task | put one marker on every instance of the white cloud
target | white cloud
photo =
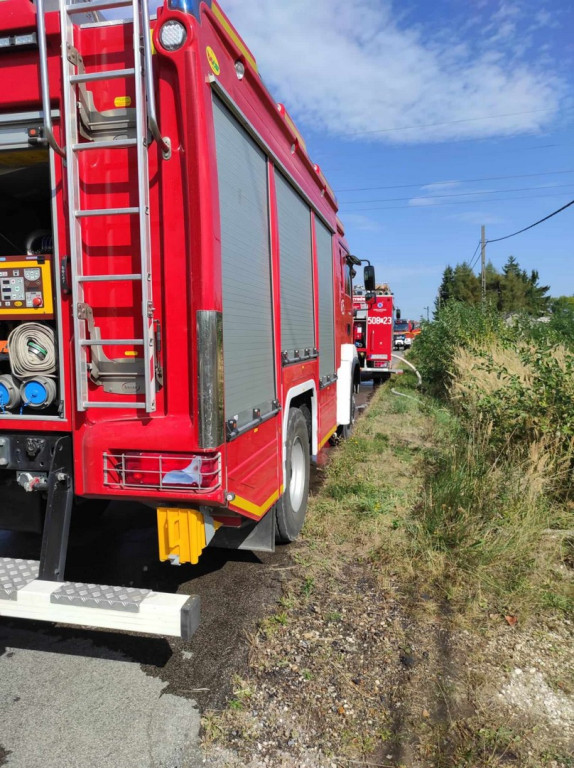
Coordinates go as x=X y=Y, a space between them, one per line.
x=477 y=218
x=362 y=223
x=440 y=186
x=422 y=201
x=357 y=67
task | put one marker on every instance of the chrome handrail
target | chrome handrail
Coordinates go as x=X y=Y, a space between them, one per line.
x=45 y=83
x=163 y=141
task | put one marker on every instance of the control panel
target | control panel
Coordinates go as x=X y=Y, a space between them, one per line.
x=26 y=288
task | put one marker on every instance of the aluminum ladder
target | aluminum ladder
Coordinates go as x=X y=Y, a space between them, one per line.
x=75 y=77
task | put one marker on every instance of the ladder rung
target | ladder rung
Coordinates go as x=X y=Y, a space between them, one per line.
x=103 y=404
x=108 y=278
x=112 y=342
x=119 y=144
x=107 y=211
x=105 y=74
x=97 y=5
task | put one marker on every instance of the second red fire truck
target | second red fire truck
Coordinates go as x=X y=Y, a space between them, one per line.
x=176 y=317
x=373 y=332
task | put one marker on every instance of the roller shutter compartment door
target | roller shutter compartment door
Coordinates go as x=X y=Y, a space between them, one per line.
x=296 y=260
x=326 y=317
x=248 y=352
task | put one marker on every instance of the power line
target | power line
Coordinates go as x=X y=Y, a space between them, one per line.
x=458 y=181
x=446 y=122
x=453 y=194
x=536 y=223
x=472 y=259
x=440 y=205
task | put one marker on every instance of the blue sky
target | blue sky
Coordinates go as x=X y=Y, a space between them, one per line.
x=430 y=118
x=490 y=81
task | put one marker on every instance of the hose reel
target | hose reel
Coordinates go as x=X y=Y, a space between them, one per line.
x=9 y=392
x=32 y=350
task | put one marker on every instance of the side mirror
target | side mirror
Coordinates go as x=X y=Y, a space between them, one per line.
x=369 y=278
x=397 y=314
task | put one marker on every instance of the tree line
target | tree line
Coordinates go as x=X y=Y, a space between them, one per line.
x=511 y=290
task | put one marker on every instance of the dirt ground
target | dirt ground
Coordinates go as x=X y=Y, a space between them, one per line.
x=352 y=669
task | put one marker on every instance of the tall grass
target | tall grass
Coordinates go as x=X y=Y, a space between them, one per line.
x=480 y=528
x=458 y=325
x=505 y=474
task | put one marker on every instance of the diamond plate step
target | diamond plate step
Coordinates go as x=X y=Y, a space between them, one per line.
x=15 y=574
x=24 y=596
x=100 y=596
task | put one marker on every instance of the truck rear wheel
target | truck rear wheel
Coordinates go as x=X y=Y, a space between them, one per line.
x=345 y=431
x=291 y=508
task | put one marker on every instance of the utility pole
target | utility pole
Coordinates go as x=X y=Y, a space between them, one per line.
x=428 y=317
x=483 y=264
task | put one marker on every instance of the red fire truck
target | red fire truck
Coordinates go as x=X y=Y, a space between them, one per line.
x=373 y=332
x=176 y=310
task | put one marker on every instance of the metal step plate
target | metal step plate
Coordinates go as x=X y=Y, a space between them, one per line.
x=16 y=574
x=24 y=596
x=96 y=596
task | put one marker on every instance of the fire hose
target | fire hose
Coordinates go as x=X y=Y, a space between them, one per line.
x=32 y=350
x=419 y=379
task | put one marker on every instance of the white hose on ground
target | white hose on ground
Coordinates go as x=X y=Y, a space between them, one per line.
x=419 y=379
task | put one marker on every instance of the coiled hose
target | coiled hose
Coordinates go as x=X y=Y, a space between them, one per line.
x=32 y=350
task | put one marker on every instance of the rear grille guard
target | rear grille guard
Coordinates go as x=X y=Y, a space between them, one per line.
x=193 y=474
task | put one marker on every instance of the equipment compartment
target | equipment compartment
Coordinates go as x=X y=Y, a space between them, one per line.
x=29 y=356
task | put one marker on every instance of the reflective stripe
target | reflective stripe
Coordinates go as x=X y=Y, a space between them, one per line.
x=222 y=19
x=254 y=509
x=328 y=435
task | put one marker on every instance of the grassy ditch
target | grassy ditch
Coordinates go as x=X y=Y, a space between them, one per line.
x=433 y=570
x=497 y=509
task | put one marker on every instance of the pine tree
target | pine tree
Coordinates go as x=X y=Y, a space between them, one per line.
x=466 y=285
x=445 y=291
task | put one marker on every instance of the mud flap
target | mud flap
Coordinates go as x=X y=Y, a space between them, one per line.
x=58 y=513
x=254 y=535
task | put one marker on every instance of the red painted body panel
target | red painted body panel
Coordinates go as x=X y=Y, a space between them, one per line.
x=186 y=252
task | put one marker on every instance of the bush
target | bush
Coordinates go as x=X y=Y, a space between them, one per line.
x=458 y=325
x=525 y=395
x=505 y=477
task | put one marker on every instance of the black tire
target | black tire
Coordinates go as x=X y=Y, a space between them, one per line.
x=291 y=508
x=345 y=431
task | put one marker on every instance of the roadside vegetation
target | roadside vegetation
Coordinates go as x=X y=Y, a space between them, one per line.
x=498 y=506
x=427 y=617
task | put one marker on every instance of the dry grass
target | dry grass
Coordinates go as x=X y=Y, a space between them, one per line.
x=483 y=371
x=368 y=659
x=372 y=482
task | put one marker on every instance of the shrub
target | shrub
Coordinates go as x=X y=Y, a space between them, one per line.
x=458 y=325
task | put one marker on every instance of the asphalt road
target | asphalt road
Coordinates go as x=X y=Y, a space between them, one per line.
x=72 y=697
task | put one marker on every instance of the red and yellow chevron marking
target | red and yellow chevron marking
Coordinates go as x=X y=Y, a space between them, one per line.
x=255 y=509
x=226 y=24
